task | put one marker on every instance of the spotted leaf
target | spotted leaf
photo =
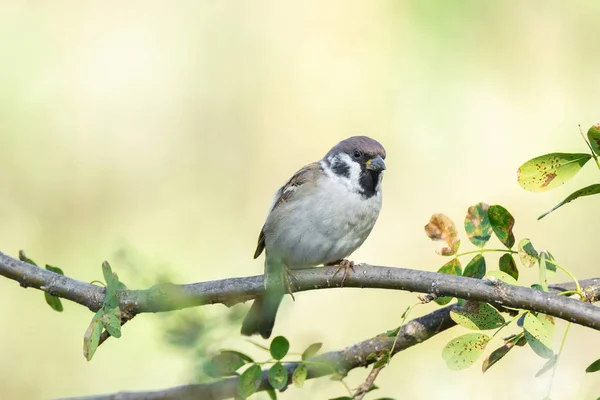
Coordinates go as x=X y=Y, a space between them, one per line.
x=500 y=352
x=550 y=170
x=278 y=376
x=537 y=336
x=440 y=227
x=527 y=253
x=461 y=352
x=452 y=267
x=476 y=315
x=502 y=224
x=476 y=267
x=477 y=224
x=508 y=265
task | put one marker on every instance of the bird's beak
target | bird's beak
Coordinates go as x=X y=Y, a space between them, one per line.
x=375 y=164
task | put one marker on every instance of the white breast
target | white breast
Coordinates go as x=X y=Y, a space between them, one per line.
x=324 y=223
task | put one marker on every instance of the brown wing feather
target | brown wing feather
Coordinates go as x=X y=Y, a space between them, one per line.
x=261 y=244
x=308 y=173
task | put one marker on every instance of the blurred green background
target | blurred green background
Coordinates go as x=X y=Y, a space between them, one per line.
x=162 y=129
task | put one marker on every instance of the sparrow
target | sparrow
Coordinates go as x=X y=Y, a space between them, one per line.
x=321 y=215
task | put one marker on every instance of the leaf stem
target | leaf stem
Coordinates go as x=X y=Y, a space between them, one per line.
x=509 y=322
x=568 y=293
x=566 y=271
x=486 y=251
x=562 y=345
x=404 y=316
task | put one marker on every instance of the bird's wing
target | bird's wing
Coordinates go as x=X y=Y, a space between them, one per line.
x=308 y=173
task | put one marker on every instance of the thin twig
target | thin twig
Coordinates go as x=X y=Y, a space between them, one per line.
x=368 y=383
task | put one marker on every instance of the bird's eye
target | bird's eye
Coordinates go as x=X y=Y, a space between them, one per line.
x=357 y=154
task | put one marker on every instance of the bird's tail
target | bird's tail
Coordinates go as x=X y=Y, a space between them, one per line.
x=261 y=317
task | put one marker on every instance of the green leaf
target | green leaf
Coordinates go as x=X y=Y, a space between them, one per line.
x=501 y=351
x=443 y=300
x=546 y=269
x=452 y=267
x=109 y=277
x=279 y=347
x=223 y=364
x=550 y=265
x=461 y=352
x=54 y=302
x=272 y=394
x=537 y=336
x=542 y=272
x=593 y=367
x=586 y=191
x=535 y=286
x=440 y=227
x=508 y=265
x=311 y=351
x=384 y=359
x=502 y=276
x=479 y=316
x=111 y=298
x=26 y=259
x=342 y=398
x=56 y=270
x=249 y=381
x=549 y=324
x=475 y=268
x=373 y=387
x=111 y=320
x=527 y=254
x=299 y=375
x=278 y=376
x=550 y=170
x=477 y=224
x=593 y=135
x=502 y=224
x=91 y=338
x=241 y=355
x=389 y=333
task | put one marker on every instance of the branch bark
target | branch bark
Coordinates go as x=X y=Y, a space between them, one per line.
x=169 y=297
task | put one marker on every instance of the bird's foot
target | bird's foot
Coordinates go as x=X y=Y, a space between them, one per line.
x=288 y=278
x=347 y=266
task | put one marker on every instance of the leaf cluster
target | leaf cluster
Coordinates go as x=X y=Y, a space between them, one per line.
x=229 y=362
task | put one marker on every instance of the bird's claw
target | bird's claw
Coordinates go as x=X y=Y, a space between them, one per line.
x=347 y=266
x=288 y=277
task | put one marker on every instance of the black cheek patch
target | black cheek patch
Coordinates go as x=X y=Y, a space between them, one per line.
x=341 y=169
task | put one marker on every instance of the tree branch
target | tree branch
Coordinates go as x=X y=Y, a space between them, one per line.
x=168 y=297
x=340 y=362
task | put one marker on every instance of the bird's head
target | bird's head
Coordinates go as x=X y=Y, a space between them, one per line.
x=360 y=161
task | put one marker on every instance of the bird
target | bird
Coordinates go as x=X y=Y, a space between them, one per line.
x=323 y=213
